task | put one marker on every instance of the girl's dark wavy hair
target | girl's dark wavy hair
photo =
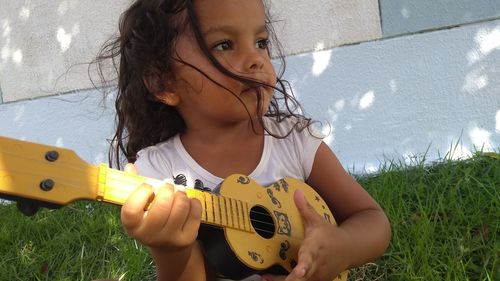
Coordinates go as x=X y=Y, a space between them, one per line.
x=144 y=50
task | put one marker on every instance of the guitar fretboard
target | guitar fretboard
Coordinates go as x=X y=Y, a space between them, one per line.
x=115 y=187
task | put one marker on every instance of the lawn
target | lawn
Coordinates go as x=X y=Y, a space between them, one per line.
x=445 y=219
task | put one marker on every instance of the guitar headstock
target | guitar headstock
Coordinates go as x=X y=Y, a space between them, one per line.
x=42 y=175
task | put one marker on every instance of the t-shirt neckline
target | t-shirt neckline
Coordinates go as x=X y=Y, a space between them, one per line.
x=186 y=157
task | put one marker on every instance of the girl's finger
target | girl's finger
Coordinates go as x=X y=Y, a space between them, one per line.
x=305 y=266
x=297 y=274
x=130 y=168
x=160 y=209
x=132 y=211
x=179 y=213
x=306 y=210
x=193 y=221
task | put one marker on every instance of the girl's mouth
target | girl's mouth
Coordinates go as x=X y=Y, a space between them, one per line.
x=253 y=90
x=249 y=91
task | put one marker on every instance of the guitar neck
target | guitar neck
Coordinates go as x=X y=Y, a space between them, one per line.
x=58 y=176
x=115 y=186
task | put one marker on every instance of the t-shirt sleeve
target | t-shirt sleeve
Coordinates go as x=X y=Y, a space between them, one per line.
x=151 y=163
x=307 y=143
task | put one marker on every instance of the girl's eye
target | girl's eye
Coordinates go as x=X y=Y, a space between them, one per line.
x=222 y=46
x=263 y=44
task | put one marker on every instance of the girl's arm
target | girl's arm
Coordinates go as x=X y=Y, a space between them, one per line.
x=168 y=228
x=187 y=264
x=363 y=230
x=364 y=222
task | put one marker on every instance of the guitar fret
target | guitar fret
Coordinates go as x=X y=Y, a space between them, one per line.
x=244 y=215
x=222 y=211
x=241 y=213
x=101 y=182
x=248 y=225
x=230 y=212
x=219 y=210
x=204 y=202
x=193 y=193
x=214 y=213
x=207 y=206
x=225 y=211
x=237 y=217
x=235 y=213
x=204 y=206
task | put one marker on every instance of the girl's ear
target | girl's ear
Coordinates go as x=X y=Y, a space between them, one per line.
x=169 y=98
x=159 y=92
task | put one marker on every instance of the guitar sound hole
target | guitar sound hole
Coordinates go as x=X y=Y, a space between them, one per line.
x=262 y=222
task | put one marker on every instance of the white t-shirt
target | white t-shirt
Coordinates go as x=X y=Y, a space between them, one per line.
x=292 y=157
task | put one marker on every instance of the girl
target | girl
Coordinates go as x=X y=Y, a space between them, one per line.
x=199 y=100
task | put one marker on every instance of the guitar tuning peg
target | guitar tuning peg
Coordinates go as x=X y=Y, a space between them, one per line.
x=28 y=209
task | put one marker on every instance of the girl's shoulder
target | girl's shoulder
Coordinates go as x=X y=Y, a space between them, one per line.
x=158 y=149
x=152 y=161
x=292 y=143
x=292 y=126
x=293 y=133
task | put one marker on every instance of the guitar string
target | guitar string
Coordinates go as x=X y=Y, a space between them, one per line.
x=214 y=204
x=218 y=206
x=266 y=231
x=76 y=167
x=236 y=216
x=117 y=178
x=230 y=216
x=262 y=230
x=290 y=237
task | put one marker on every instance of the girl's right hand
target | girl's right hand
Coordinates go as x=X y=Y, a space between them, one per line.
x=172 y=221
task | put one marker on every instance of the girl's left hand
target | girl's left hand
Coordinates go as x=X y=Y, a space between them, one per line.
x=323 y=253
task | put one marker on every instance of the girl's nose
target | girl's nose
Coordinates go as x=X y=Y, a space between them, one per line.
x=254 y=60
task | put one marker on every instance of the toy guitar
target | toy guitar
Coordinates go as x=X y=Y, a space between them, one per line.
x=261 y=233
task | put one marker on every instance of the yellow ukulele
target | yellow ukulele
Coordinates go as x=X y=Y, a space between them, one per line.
x=261 y=233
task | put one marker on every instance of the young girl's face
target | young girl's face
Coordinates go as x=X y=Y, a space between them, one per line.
x=235 y=33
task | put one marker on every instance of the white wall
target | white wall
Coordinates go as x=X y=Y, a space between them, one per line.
x=47 y=43
x=384 y=97
x=433 y=93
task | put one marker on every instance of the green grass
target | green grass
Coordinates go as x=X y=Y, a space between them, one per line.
x=445 y=220
x=82 y=242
